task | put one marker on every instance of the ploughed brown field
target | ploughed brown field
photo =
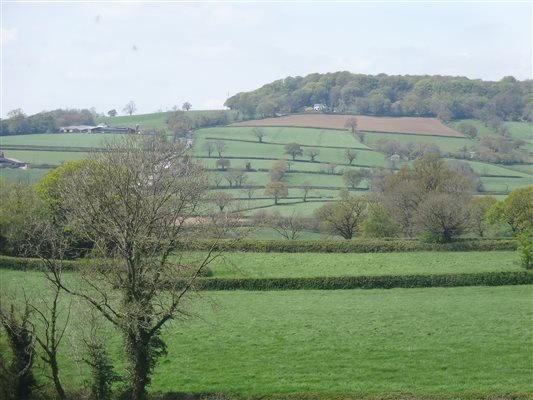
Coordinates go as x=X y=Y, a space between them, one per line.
x=411 y=125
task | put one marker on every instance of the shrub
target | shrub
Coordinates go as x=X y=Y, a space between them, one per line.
x=525 y=249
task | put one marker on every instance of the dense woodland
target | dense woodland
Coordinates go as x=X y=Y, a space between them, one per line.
x=445 y=97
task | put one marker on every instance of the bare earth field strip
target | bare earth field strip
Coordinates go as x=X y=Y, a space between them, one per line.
x=417 y=126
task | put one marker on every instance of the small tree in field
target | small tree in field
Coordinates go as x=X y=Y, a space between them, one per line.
x=293 y=149
x=312 y=153
x=350 y=155
x=259 y=133
x=342 y=217
x=351 y=124
x=276 y=190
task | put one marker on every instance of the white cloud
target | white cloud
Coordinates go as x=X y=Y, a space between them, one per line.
x=8 y=36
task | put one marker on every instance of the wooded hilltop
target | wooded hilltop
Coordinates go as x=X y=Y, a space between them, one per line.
x=445 y=97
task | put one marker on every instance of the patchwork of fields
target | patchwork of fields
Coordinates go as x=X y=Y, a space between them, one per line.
x=322 y=177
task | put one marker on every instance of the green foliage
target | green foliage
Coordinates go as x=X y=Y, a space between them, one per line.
x=44 y=122
x=421 y=96
x=379 y=223
x=516 y=210
x=20 y=381
x=19 y=206
x=525 y=248
x=293 y=149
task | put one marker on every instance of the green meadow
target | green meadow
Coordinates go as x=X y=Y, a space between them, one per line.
x=423 y=341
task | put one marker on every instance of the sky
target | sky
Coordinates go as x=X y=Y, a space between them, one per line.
x=160 y=54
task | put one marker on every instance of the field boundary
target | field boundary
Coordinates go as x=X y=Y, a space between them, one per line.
x=368 y=282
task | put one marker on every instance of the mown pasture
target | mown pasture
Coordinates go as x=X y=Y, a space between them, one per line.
x=425 y=341
x=276 y=265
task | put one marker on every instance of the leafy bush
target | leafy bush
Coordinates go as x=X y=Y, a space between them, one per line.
x=525 y=249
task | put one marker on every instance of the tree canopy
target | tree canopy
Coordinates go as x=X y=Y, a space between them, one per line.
x=446 y=97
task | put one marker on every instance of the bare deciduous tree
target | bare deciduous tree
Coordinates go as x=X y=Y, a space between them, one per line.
x=288 y=227
x=135 y=201
x=312 y=153
x=259 y=133
x=130 y=108
x=209 y=146
x=350 y=155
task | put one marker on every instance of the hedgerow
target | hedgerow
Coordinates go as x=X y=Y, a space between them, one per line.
x=349 y=246
x=369 y=282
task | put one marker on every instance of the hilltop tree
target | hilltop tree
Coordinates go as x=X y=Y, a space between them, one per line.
x=293 y=149
x=112 y=113
x=186 y=106
x=130 y=108
x=276 y=190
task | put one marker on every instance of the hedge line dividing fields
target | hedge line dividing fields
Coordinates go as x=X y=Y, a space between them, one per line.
x=348 y=246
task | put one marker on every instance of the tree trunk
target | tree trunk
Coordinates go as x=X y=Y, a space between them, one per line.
x=139 y=368
x=55 y=376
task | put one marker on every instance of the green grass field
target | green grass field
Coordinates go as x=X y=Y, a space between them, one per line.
x=156 y=120
x=303 y=136
x=422 y=341
x=45 y=157
x=27 y=177
x=277 y=265
x=58 y=139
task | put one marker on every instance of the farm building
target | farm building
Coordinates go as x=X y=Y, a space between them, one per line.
x=11 y=162
x=101 y=128
x=319 y=107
